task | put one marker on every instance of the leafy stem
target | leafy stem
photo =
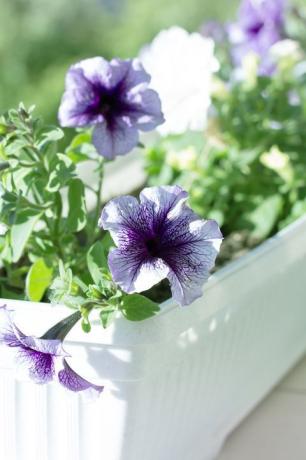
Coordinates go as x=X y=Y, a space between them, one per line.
x=56 y=233
x=100 y=170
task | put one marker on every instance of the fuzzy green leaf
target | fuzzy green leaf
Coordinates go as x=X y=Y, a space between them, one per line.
x=63 y=172
x=53 y=135
x=21 y=230
x=77 y=215
x=96 y=261
x=136 y=307
x=81 y=148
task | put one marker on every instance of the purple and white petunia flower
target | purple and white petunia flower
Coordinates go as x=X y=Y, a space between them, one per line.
x=35 y=354
x=160 y=237
x=40 y=356
x=74 y=382
x=114 y=98
x=260 y=24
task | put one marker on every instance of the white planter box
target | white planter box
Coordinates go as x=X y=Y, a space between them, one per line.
x=177 y=384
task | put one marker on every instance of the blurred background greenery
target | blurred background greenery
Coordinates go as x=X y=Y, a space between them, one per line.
x=39 y=39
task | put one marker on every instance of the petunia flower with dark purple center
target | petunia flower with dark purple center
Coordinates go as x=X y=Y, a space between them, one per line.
x=160 y=237
x=35 y=354
x=114 y=98
x=39 y=356
x=74 y=382
x=260 y=25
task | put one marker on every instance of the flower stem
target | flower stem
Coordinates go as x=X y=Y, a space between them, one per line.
x=56 y=233
x=100 y=170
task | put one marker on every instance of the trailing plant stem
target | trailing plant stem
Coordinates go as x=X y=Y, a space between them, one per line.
x=100 y=170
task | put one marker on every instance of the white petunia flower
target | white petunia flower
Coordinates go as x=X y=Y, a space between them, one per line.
x=181 y=66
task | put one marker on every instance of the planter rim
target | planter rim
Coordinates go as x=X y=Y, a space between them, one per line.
x=126 y=333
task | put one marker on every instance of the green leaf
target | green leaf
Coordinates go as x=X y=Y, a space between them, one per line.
x=115 y=299
x=8 y=294
x=81 y=148
x=136 y=307
x=73 y=301
x=38 y=280
x=64 y=170
x=80 y=283
x=107 y=316
x=77 y=215
x=265 y=216
x=96 y=261
x=15 y=147
x=80 y=139
x=52 y=136
x=107 y=242
x=62 y=285
x=25 y=220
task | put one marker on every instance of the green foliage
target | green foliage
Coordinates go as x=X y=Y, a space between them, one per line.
x=20 y=231
x=38 y=280
x=103 y=295
x=81 y=149
x=136 y=307
x=96 y=261
x=264 y=114
x=62 y=170
x=34 y=180
x=77 y=214
x=63 y=287
x=249 y=171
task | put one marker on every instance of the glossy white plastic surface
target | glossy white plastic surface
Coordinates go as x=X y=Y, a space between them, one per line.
x=177 y=384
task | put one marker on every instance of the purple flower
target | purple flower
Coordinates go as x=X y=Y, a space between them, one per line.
x=36 y=354
x=39 y=355
x=160 y=237
x=260 y=24
x=74 y=382
x=113 y=97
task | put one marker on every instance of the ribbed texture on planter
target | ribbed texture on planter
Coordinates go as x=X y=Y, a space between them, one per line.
x=175 y=385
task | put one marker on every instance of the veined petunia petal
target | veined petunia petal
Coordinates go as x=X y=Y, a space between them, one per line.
x=191 y=256
x=136 y=77
x=40 y=366
x=167 y=200
x=96 y=70
x=117 y=213
x=53 y=347
x=77 y=99
x=145 y=109
x=74 y=382
x=134 y=272
x=116 y=139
